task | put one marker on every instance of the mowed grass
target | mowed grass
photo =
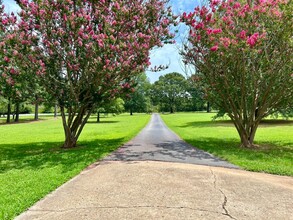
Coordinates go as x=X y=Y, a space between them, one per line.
x=274 y=137
x=32 y=163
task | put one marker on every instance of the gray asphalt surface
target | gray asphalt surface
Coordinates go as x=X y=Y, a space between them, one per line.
x=156 y=142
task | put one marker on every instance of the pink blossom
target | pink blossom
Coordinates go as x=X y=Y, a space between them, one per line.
x=225 y=41
x=10 y=81
x=135 y=17
x=214 y=48
x=199 y=26
x=217 y=31
x=100 y=43
x=237 y=5
x=242 y=34
x=12 y=71
x=117 y=5
x=6 y=59
x=5 y=21
x=215 y=2
x=64 y=17
x=252 y=40
x=276 y=13
x=42 y=12
x=209 y=31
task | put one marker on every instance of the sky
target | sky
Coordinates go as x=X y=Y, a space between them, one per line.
x=166 y=55
x=10 y=5
x=169 y=54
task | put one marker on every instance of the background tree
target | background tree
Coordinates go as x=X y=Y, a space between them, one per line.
x=170 y=91
x=243 y=54
x=115 y=106
x=196 y=100
x=139 y=100
x=37 y=95
x=3 y=106
x=88 y=52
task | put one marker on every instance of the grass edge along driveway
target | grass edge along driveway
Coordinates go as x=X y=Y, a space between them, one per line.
x=274 y=137
x=32 y=163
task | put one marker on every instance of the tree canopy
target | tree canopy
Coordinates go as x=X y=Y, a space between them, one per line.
x=139 y=99
x=170 y=90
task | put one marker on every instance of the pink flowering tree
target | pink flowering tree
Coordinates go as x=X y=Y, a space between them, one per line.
x=242 y=54
x=18 y=82
x=12 y=83
x=87 y=52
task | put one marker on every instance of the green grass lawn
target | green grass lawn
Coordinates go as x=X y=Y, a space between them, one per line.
x=274 y=137
x=32 y=163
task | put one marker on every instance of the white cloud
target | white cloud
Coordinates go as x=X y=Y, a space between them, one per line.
x=167 y=55
x=10 y=6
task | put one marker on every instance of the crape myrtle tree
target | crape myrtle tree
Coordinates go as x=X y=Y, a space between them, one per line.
x=12 y=83
x=242 y=52
x=18 y=82
x=5 y=80
x=87 y=52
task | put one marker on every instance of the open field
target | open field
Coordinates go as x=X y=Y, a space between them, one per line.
x=274 y=137
x=32 y=163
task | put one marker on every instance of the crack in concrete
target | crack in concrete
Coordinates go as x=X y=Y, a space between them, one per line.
x=225 y=197
x=125 y=207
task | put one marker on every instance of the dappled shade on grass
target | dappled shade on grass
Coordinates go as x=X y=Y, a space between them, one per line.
x=32 y=163
x=40 y=155
x=25 y=119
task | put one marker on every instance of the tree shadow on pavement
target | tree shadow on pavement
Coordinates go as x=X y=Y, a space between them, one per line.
x=171 y=151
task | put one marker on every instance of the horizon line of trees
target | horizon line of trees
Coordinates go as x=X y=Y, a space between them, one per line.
x=172 y=92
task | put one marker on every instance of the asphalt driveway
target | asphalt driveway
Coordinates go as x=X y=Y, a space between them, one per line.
x=156 y=142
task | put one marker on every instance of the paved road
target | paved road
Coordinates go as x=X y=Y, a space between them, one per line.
x=147 y=190
x=156 y=142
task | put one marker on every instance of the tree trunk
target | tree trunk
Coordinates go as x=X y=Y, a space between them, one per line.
x=131 y=113
x=171 y=109
x=17 y=112
x=70 y=140
x=245 y=142
x=247 y=135
x=37 y=111
x=55 y=111
x=74 y=125
x=8 y=111
x=208 y=107
x=98 y=117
